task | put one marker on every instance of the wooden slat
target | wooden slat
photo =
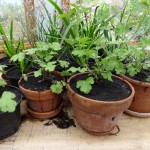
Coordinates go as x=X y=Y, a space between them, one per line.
x=134 y=135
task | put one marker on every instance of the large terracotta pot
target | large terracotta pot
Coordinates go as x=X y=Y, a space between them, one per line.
x=42 y=104
x=140 y=105
x=98 y=117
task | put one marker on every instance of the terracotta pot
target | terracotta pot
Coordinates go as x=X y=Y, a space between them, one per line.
x=44 y=102
x=140 y=105
x=98 y=117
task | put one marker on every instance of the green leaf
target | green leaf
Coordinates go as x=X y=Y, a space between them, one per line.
x=38 y=73
x=63 y=63
x=107 y=75
x=7 y=102
x=31 y=51
x=3 y=83
x=55 y=46
x=85 y=85
x=73 y=69
x=66 y=73
x=79 y=53
x=58 y=87
x=25 y=77
x=50 y=66
x=18 y=57
x=48 y=58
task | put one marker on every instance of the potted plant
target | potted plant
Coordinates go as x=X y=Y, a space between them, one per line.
x=23 y=65
x=10 y=98
x=11 y=47
x=138 y=75
x=98 y=97
x=43 y=87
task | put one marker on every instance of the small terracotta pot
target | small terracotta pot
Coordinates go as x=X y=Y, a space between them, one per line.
x=140 y=105
x=98 y=117
x=42 y=102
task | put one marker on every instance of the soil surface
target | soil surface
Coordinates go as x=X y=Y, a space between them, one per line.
x=40 y=83
x=13 y=90
x=142 y=76
x=5 y=61
x=15 y=73
x=105 y=90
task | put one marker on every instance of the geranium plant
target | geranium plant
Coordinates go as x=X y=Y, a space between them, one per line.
x=103 y=68
x=46 y=56
x=7 y=99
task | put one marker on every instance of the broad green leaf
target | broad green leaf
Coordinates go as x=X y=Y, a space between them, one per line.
x=18 y=57
x=50 y=66
x=48 y=58
x=63 y=63
x=107 y=75
x=7 y=102
x=73 y=69
x=55 y=46
x=57 y=87
x=31 y=51
x=3 y=83
x=85 y=86
x=38 y=73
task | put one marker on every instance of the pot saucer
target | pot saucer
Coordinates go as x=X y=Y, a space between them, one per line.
x=44 y=115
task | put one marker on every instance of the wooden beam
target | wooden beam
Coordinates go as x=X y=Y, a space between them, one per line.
x=66 y=5
x=30 y=20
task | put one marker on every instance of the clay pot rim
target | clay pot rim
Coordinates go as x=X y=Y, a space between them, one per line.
x=27 y=90
x=99 y=101
x=136 y=82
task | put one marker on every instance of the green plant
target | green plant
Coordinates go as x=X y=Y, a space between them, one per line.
x=46 y=56
x=12 y=46
x=22 y=62
x=7 y=102
x=103 y=68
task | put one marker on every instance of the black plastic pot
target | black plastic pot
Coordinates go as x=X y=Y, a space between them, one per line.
x=6 y=61
x=13 y=80
x=10 y=122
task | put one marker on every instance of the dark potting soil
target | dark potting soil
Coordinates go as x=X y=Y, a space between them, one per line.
x=62 y=121
x=105 y=90
x=15 y=73
x=5 y=61
x=40 y=83
x=13 y=90
x=142 y=76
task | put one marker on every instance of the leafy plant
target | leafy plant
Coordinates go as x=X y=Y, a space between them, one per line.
x=22 y=62
x=134 y=57
x=7 y=102
x=12 y=46
x=46 y=56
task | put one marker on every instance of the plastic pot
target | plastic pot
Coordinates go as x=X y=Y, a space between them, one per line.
x=10 y=122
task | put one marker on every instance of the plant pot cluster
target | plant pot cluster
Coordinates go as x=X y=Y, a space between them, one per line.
x=87 y=63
